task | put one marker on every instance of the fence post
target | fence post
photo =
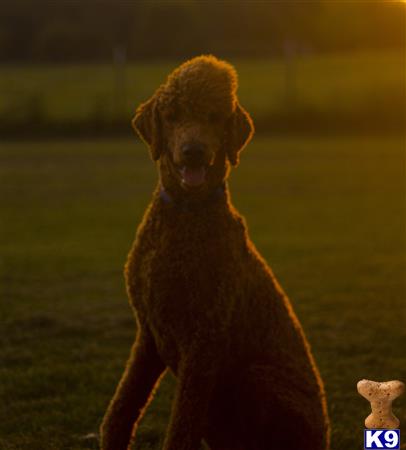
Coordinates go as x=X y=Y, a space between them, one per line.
x=120 y=81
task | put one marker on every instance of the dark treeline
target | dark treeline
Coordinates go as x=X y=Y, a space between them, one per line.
x=90 y=30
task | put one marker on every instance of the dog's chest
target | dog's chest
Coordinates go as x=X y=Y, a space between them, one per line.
x=181 y=278
x=186 y=271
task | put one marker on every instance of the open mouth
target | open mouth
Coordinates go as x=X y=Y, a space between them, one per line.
x=193 y=176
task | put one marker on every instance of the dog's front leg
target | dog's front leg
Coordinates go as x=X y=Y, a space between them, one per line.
x=142 y=372
x=196 y=380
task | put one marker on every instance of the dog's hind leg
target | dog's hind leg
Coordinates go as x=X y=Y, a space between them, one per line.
x=133 y=393
x=283 y=409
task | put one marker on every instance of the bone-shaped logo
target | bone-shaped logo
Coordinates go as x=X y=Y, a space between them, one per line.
x=381 y=396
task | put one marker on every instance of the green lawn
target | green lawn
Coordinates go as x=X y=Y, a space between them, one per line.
x=328 y=214
x=357 y=86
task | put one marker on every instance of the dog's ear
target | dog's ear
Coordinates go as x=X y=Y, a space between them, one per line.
x=147 y=124
x=239 y=131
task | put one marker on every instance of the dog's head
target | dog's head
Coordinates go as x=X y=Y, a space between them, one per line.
x=194 y=124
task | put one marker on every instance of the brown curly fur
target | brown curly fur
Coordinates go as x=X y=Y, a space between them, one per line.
x=207 y=305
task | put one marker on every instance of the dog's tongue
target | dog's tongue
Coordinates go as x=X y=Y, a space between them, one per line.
x=193 y=176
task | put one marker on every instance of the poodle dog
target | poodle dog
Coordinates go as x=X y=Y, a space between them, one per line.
x=207 y=305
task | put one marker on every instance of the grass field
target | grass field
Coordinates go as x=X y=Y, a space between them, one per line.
x=328 y=214
x=353 y=87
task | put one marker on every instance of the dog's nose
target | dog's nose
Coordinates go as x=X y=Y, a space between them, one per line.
x=193 y=150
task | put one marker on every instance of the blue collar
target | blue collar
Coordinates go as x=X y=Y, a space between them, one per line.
x=187 y=205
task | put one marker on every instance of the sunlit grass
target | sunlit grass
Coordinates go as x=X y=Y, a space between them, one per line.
x=328 y=214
